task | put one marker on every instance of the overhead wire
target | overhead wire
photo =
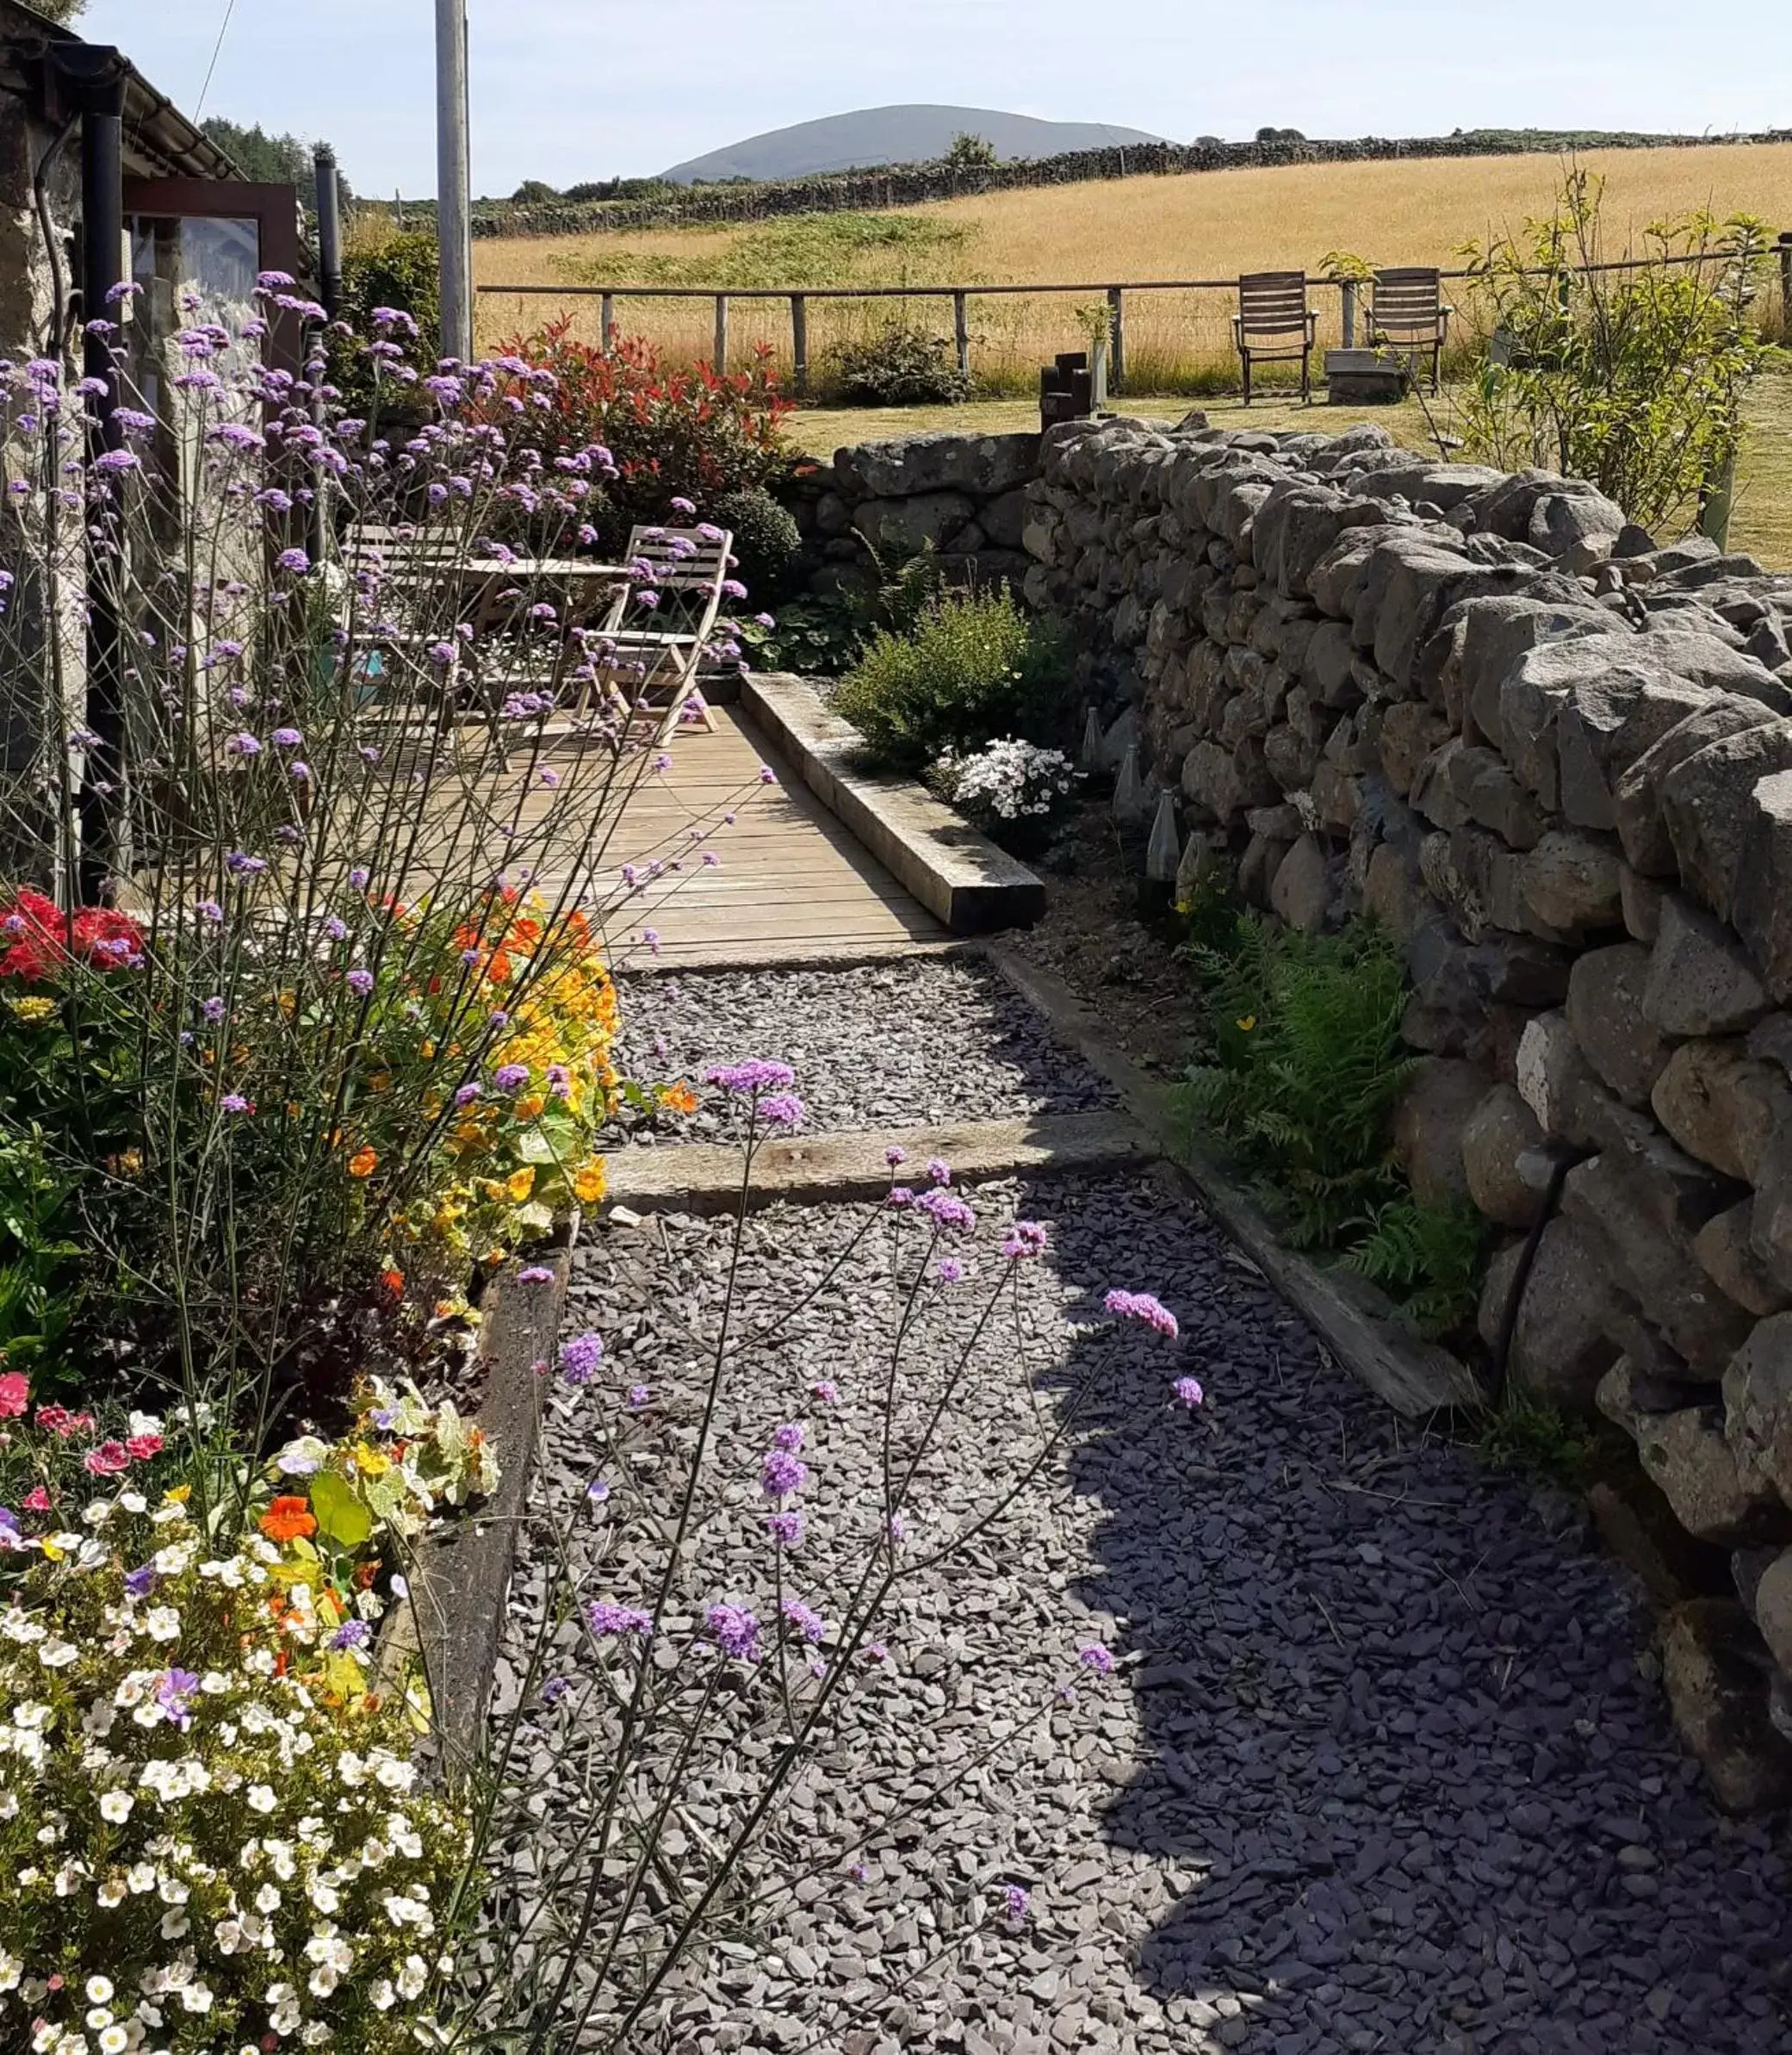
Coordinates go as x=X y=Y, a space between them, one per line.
x=230 y=8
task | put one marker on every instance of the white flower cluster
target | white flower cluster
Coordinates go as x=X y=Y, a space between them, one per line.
x=1010 y=780
x=202 y=1842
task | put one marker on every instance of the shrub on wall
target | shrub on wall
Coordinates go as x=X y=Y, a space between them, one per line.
x=768 y=549
x=1634 y=379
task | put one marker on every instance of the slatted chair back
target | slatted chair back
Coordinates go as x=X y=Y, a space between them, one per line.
x=687 y=568
x=1406 y=312
x=1272 y=303
x=1407 y=304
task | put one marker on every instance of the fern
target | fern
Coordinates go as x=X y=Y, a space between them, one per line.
x=1426 y=1257
x=1301 y=1070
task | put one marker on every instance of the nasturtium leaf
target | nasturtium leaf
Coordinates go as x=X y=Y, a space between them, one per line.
x=341 y=1516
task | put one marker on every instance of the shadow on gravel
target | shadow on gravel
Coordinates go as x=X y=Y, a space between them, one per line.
x=1400 y=1741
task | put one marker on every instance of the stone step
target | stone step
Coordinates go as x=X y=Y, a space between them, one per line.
x=702 y=1177
x=957 y=873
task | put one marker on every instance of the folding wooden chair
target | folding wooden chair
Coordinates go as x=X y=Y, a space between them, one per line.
x=1272 y=309
x=1406 y=312
x=687 y=568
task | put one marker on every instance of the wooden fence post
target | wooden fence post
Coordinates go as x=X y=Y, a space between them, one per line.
x=799 y=344
x=1347 y=316
x=606 y=321
x=961 y=332
x=719 y=362
x=1116 y=345
x=1785 y=250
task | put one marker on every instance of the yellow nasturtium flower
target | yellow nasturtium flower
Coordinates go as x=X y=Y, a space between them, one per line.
x=518 y=1185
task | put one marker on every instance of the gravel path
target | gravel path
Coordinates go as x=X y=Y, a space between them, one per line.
x=917 y=1041
x=1384 y=1766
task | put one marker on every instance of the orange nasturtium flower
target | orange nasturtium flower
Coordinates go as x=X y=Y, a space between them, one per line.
x=679 y=1098
x=518 y=1185
x=588 y=1183
x=394 y=1281
x=362 y=1163
x=287 y=1519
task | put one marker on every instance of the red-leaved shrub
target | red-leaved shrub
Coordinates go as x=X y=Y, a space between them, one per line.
x=682 y=433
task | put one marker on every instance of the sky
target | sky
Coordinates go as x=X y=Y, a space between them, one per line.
x=571 y=90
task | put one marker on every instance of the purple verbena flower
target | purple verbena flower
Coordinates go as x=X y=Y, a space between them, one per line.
x=781 y=1473
x=1015 y=1899
x=360 y=983
x=785 y=1528
x=603 y=1617
x=580 y=1356
x=736 y=1629
x=1096 y=1658
x=509 y=1077
x=938 y=1170
x=949 y=1270
x=638 y=1396
x=537 y=1273
x=1188 y=1392
x=757 y=1074
x=948 y=1210
x=895 y=1154
x=826 y=1391
x=807 y=1622
x=352 y=1634
x=781 y=1109
x=789 y=1437
x=1141 y=1306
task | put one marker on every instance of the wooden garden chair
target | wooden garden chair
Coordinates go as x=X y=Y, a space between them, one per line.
x=1407 y=312
x=687 y=570
x=1275 y=325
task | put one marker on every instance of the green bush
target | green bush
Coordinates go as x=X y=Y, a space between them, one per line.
x=766 y=542
x=1633 y=378
x=401 y=272
x=899 y=366
x=972 y=667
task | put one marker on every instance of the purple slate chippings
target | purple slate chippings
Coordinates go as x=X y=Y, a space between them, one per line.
x=1382 y=1766
x=910 y=1043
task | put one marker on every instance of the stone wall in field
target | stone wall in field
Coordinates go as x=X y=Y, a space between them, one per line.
x=1556 y=761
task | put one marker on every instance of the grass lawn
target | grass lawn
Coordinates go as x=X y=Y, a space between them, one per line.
x=1761 y=521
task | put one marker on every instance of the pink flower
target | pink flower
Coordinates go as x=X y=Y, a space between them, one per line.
x=1141 y=1306
x=142 y=1447
x=107 y=1460
x=37 y=1500
x=14 y=1395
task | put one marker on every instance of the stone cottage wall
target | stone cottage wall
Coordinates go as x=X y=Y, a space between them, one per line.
x=1555 y=760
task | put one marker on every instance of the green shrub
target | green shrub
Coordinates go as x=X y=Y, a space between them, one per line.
x=766 y=542
x=972 y=667
x=899 y=366
x=401 y=271
x=1536 y=1439
x=1632 y=378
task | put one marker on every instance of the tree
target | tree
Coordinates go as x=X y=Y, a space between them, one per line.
x=61 y=10
x=271 y=160
x=968 y=152
x=535 y=192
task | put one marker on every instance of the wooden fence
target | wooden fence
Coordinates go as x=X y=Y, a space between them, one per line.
x=1336 y=302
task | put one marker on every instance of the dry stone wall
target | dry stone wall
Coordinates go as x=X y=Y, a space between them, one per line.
x=1556 y=761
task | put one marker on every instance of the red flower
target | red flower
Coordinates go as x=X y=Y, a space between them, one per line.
x=37 y=1500
x=142 y=1447
x=42 y=937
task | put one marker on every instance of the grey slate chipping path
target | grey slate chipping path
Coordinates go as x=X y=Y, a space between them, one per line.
x=905 y=1043
x=1385 y=1766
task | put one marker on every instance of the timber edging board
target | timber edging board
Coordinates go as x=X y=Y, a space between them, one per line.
x=1354 y=1320
x=957 y=873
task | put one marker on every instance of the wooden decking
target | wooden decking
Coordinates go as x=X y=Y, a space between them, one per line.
x=792 y=884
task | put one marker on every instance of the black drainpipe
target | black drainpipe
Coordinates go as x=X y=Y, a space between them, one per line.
x=93 y=78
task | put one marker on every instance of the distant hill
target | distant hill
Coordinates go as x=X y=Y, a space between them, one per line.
x=896 y=135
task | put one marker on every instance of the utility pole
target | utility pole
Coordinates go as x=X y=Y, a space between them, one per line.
x=453 y=192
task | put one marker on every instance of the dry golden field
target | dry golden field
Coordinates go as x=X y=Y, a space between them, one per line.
x=1195 y=225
